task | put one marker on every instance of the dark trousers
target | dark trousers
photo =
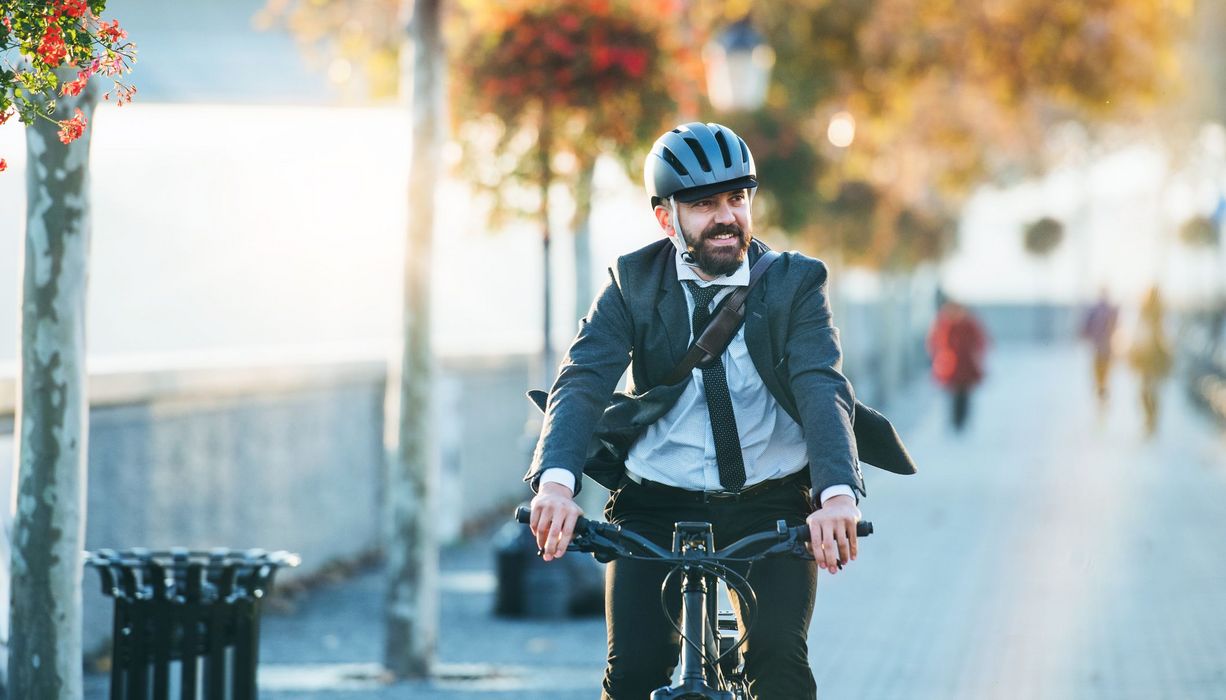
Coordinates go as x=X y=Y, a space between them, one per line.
x=643 y=646
x=962 y=406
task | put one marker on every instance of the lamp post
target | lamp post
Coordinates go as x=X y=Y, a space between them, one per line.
x=738 y=64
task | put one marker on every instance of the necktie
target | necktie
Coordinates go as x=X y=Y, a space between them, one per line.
x=719 y=402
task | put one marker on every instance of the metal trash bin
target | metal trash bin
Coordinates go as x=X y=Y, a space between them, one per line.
x=200 y=609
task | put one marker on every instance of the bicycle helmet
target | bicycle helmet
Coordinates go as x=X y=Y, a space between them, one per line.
x=696 y=160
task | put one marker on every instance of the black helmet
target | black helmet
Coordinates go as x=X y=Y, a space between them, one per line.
x=696 y=160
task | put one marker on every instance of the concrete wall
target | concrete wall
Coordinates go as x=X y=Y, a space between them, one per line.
x=280 y=458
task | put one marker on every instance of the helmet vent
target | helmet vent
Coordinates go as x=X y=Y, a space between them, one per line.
x=699 y=154
x=723 y=148
x=744 y=151
x=673 y=161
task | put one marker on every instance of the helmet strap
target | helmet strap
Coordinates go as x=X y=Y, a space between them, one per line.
x=678 y=237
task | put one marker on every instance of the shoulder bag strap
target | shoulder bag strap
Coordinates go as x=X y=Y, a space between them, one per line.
x=723 y=325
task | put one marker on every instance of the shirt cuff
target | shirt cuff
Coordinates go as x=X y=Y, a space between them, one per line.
x=828 y=493
x=558 y=475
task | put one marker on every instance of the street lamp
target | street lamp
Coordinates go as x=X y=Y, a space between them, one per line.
x=842 y=130
x=738 y=65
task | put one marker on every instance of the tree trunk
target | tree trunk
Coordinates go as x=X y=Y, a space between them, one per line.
x=52 y=416
x=412 y=549
x=544 y=153
x=583 y=236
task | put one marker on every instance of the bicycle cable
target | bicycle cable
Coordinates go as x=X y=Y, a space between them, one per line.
x=738 y=583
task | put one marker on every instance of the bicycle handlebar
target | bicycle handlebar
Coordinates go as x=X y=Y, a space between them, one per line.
x=608 y=541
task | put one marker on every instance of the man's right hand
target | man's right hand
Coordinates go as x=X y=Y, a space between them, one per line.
x=554 y=513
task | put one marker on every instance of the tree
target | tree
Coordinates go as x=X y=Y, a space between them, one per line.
x=946 y=95
x=1040 y=239
x=542 y=82
x=411 y=611
x=364 y=43
x=64 y=45
x=52 y=418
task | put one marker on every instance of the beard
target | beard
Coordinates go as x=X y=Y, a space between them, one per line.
x=720 y=260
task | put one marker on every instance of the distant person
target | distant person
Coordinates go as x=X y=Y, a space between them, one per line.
x=957 y=344
x=1098 y=328
x=1150 y=356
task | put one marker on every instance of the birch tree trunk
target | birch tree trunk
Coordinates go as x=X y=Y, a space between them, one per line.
x=52 y=421
x=412 y=549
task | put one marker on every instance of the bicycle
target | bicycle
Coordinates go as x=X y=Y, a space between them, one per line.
x=715 y=670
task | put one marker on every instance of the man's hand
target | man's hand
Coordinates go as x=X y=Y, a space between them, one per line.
x=554 y=513
x=832 y=530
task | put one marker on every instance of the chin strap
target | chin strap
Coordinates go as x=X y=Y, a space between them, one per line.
x=678 y=238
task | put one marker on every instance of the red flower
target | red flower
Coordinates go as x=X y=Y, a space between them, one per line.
x=71 y=129
x=8 y=23
x=75 y=8
x=6 y=115
x=635 y=62
x=3 y=165
x=602 y=57
x=52 y=49
x=111 y=33
x=74 y=87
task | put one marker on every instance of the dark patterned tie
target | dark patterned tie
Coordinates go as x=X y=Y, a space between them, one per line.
x=719 y=403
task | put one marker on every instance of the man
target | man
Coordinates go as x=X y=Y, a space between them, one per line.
x=1098 y=328
x=957 y=343
x=763 y=434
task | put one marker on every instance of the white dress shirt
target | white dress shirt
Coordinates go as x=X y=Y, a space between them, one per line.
x=679 y=448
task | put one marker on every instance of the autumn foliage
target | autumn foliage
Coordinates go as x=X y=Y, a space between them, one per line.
x=601 y=63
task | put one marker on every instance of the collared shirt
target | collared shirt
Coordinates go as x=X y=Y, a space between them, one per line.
x=679 y=448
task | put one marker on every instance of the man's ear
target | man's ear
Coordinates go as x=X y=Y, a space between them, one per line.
x=664 y=217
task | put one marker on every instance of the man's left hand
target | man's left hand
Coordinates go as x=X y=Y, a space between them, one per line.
x=832 y=530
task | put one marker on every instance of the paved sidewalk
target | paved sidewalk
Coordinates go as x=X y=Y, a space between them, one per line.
x=1049 y=552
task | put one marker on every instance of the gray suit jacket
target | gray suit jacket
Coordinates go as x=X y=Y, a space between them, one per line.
x=640 y=318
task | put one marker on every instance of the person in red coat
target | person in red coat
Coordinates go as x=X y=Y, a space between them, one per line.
x=957 y=343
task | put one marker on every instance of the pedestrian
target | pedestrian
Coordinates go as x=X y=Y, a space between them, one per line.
x=957 y=343
x=1150 y=356
x=1098 y=328
x=762 y=433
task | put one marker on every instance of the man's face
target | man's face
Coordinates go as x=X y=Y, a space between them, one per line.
x=717 y=231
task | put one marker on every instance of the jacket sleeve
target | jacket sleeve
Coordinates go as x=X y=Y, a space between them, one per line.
x=824 y=398
x=588 y=375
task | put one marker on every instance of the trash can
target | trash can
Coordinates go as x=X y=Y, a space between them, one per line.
x=199 y=610
x=529 y=587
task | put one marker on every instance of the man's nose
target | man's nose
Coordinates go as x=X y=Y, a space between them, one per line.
x=723 y=213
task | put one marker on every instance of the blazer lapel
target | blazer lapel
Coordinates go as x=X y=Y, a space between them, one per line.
x=758 y=338
x=673 y=316
x=761 y=346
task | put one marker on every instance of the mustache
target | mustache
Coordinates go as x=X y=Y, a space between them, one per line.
x=721 y=229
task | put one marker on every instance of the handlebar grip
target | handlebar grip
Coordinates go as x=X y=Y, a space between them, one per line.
x=864 y=528
x=523 y=514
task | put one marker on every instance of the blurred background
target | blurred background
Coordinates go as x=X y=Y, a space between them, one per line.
x=1024 y=158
